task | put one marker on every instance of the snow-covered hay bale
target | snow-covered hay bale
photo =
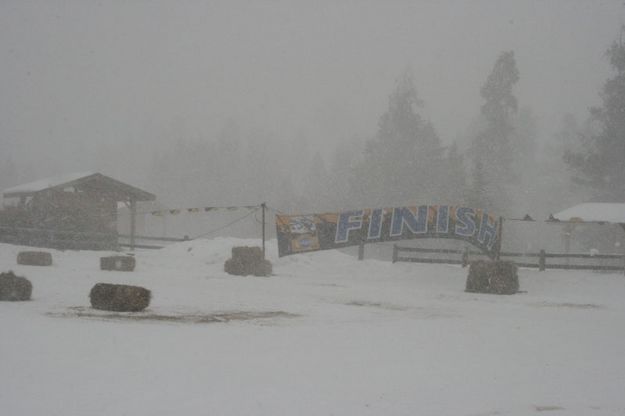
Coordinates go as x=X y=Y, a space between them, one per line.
x=247 y=254
x=247 y=261
x=14 y=288
x=505 y=280
x=479 y=276
x=34 y=258
x=499 y=277
x=119 y=298
x=264 y=268
x=119 y=263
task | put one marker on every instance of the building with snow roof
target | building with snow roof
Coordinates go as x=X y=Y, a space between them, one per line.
x=76 y=211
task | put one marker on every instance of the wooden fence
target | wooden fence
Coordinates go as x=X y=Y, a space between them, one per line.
x=76 y=240
x=60 y=239
x=542 y=262
x=125 y=241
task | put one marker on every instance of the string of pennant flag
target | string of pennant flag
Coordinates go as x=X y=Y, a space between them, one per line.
x=196 y=210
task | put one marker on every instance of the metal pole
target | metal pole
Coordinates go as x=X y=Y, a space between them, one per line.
x=263 y=205
x=499 y=237
x=133 y=215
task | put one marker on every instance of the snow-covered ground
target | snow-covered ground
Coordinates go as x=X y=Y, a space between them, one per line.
x=325 y=335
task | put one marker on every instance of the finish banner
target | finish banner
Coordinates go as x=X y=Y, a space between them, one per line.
x=304 y=233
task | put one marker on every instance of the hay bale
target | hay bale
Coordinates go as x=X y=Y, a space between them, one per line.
x=34 y=258
x=234 y=267
x=14 y=288
x=119 y=263
x=505 y=280
x=247 y=261
x=119 y=298
x=247 y=254
x=263 y=268
x=498 y=277
x=479 y=277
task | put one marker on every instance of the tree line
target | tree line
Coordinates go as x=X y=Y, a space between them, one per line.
x=498 y=163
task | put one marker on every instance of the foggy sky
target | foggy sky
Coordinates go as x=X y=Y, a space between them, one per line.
x=76 y=73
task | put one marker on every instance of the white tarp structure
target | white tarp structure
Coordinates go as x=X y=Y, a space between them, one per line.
x=594 y=212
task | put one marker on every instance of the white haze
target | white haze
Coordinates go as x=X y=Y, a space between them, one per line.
x=116 y=85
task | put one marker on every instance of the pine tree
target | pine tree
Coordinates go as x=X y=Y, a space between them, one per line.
x=316 y=190
x=492 y=149
x=401 y=164
x=601 y=164
x=455 y=186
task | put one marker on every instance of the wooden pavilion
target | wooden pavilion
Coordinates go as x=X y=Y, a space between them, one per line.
x=77 y=211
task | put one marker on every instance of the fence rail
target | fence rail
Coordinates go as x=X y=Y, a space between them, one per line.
x=152 y=238
x=67 y=239
x=62 y=239
x=148 y=238
x=541 y=264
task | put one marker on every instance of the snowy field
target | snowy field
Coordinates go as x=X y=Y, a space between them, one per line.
x=325 y=335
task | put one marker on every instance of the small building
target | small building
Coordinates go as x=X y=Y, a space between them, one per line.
x=593 y=224
x=75 y=211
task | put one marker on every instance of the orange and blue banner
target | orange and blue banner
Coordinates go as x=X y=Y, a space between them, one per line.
x=312 y=232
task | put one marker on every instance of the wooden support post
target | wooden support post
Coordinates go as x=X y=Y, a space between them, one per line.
x=542 y=263
x=499 y=237
x=394 y=253
x=623 y=227
x=361 y=249
x=568 y=234
x=133 y=223
x=263 y=205
x=465 y=257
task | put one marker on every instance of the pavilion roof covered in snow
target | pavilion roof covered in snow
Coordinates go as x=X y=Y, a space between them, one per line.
x=83 y=181
x=593 y=212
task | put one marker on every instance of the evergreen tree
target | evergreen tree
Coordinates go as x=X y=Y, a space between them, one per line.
x=8 y=173
x=492 y=149
x=316 y=190
x=524 y=141
x=601 y=163
x=568 y=136
x=453 y=182
x=401 y=165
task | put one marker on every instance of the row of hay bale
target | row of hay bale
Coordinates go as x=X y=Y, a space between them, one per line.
x=104 y=296
x=116 y=297
x=245 y=261
x=43 y=258
x=484 y=277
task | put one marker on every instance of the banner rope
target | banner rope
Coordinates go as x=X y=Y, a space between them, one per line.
x=227 y=225
x=196 y=210
x=275 y=210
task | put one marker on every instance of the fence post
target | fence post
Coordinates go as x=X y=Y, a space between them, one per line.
x=361 y=250
x=465 y=257
x=541 y=261
x=263 y=205
x=394 y=253
x=133 y=223
x=499 y=238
